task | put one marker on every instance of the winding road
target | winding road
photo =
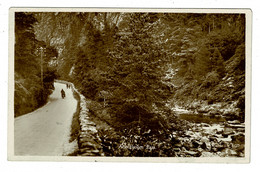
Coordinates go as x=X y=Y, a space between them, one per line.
x=46 y=131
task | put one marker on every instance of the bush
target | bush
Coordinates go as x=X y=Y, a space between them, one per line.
x=237 y=62
x=212 y=78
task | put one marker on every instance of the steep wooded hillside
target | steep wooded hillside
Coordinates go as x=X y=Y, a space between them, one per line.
x=136 y=68
x=30 y=91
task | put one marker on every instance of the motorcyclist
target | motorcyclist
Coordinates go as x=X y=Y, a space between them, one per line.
x=62 y=93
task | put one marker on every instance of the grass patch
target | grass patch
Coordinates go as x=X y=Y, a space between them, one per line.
x=75 y=125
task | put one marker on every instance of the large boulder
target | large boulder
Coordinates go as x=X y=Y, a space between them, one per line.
x=238 y=139
x=227 y=132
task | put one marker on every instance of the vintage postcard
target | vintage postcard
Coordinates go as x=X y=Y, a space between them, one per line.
x=132 y=85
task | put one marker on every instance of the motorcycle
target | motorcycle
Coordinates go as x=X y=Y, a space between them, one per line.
x=62 y=94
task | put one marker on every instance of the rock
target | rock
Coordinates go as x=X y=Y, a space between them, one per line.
x=239 y=139
x=213 y=129
x=84 y=150
x=203 y=146
x=178 y=145
x=97 y=139
x=240 y=148
x=227 y=139
x=87 y=122
x=234 y=122
x=205 y=125
x=85 y=134
x=225 y=144
x=207 y=154
x=214 y=113
x=187 y=136
x=89 y=128
x=86 y=130
x=176 y=149
x=96 y=152
x=227 y=131
x=83 y=117
x=88 y=134
x=208 y=144
x=189 y=133
x=241 y=154
x=219 y=147
x=88 y=144
x=219 y=132
x=88 y=154
x=232 y=152
x=87 y=139
x=204 y=139
x=214 y=149
x=192 y=153
x=228 y=152
x=195 y=144
x=213 y=139
x=240 y=130
x=187 y=145
x=237 y=126
x=203 y=110
x=174 y=140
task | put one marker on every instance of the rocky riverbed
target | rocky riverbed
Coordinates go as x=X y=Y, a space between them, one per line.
x=191 y=135
x=225 y=139
x=209 y=135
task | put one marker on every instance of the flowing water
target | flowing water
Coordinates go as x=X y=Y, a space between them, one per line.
x=200 y=118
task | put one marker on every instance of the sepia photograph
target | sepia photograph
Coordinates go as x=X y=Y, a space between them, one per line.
x=106 y=84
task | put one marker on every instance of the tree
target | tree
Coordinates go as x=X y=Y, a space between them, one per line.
x=217 y=62
x=202 y=63
x=137 y=70
x=29 y=92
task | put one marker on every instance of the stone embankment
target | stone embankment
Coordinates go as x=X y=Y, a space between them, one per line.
x=89 y=142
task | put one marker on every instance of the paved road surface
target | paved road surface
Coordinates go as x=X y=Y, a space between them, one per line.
x=45 y=132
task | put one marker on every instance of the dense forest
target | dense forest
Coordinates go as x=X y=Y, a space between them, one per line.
x=31 y=91
x=136 y=69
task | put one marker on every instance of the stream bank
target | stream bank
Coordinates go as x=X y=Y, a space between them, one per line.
x=193 y=134
x=210 y=134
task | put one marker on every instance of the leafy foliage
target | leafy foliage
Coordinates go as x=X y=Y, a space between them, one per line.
x=29 y=93
x=132 y=64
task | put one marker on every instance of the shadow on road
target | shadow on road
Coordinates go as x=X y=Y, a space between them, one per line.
x=52 y=99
